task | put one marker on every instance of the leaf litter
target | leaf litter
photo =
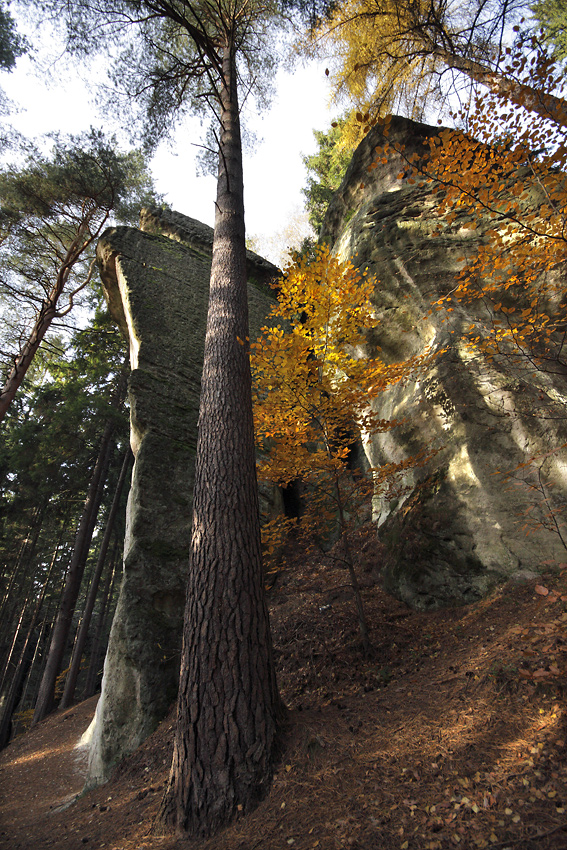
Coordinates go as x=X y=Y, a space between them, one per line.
x=433 y=740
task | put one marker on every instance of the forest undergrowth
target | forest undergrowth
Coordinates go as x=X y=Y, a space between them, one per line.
x=451 y=732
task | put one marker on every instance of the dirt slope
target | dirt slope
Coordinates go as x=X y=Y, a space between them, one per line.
x=441 y=738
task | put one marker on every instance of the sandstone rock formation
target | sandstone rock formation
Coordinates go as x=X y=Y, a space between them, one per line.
x=453 y=531
x=457 y=530
x=156 y=283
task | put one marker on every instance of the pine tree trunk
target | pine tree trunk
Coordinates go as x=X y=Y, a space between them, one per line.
x=23 y=661
x=34 y=662
x=90 y=685
x=228 y=703
x=12 y=649
x=71 y=679
x=46 y=696
x=23 y=560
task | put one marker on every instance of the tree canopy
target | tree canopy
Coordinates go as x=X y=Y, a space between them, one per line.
x=53 y=208
x=325 y=171
x=12 y=44
x=552 y=17
x=387 y=57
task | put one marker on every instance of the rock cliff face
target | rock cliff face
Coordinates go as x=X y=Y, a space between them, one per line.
x=457 y=530
x=452 y=533
x=156 y=282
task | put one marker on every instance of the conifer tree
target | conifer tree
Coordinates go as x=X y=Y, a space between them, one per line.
x=52 y=211
x=50 y=440
x=387 y=56
x=196 y=54
x=325 y=169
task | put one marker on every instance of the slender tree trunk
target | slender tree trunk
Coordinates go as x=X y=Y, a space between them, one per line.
x=362 y=621
x=6 y=664
x=22 y=666
x=26 y=551
x=71 y=679
x=11 y=651
x=60 y=634
x=90 y=685
x=34 y=661
x=228 y=703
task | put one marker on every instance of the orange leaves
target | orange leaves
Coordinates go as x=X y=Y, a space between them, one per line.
x=544 y=645
x=313 y=389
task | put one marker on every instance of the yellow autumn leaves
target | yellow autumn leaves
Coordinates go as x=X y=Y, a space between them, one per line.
x=313 y=391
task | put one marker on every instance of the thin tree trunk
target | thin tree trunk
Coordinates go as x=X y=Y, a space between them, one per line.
x=11 y=651
x=60 y=634
x=36 y=654
x=21 y=668
x=71 y=679
x=14 y=641
x=90 y=685
x=362 y=621
x=29 y=543
x=228 y=705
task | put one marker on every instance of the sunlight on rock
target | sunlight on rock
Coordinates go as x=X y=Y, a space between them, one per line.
x=460 y=469
x=84 y=741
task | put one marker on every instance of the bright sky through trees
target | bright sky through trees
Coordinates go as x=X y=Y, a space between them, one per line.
x=274 y=170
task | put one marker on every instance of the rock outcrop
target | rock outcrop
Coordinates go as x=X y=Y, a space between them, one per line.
x=457 y=530
x=450 y=534
x=156 y=281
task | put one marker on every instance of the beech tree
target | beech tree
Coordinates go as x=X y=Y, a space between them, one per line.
x=505 y=178
x=314 y=393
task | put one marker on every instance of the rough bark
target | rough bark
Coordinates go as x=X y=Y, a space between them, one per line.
x=71 y=678
x=228 y=701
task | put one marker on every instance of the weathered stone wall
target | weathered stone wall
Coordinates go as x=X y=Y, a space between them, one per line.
x=156 y=281
x=457 y=531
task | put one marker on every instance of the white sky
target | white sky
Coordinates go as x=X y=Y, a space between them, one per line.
x=274 y=173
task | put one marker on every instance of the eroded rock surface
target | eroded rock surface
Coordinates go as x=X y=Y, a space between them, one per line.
x=156 y=281
x=458 y=529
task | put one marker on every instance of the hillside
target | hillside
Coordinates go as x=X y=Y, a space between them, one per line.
x=435 y=740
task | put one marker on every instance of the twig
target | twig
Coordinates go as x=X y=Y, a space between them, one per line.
x=531 y=837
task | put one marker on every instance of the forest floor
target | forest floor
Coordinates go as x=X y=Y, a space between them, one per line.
x=441 y=737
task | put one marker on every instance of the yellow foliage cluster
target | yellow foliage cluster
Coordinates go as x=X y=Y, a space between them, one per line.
x=378 y=55
x=314 y=389
x=516 y=185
